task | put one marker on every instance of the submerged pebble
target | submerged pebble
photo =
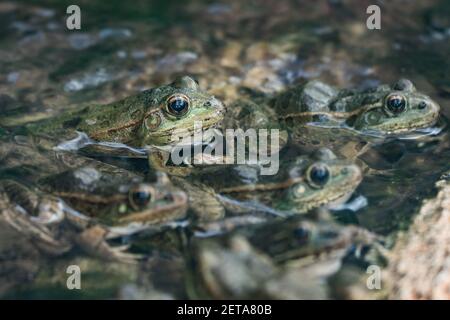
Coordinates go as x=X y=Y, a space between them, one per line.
x=80 y=41
x=89 y=80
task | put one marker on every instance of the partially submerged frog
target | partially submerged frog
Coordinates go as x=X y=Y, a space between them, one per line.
x=86 y=207
x=285 y=259
x=156 y=117
x=317 y=114
x=302 y=184
x=82 y=181
x=385 y=109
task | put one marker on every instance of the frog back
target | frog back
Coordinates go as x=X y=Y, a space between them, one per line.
x=115 y=121
x=313 y=96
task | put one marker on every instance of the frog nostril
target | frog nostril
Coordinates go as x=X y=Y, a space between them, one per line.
x=422 y=105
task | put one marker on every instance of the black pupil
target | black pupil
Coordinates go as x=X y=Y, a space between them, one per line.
x=178 y=105
x=141 y=198
x=319 y=175
x=301 y=234
x=396 y=104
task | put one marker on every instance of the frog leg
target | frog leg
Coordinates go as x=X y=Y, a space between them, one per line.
x=17 y=202
x=158 y=159
x=93 y=241
x=203 y=202
x=378 y=253
x=20 y=220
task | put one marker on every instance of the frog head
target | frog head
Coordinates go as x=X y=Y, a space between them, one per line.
x=116 y=199
x=174 y=111
x=319 y=180
x=158 y=116
x=397 y=109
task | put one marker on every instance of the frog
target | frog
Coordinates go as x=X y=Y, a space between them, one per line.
x=160 y=116
x=350 y=121
x=385 y=109
x=283 y=259
x=303 y=183
x=86 y=206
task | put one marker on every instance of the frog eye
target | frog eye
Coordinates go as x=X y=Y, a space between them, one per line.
x=318 y=175
x=302 y=234
x=177 y=105
x=141 y=195
x=396 y=103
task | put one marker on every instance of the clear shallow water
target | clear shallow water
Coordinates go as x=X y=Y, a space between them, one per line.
x=121 y=49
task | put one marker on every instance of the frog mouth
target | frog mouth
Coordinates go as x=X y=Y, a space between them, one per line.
x=417 y=121
x=403 y=129
x=340 y=200
x=329 y=202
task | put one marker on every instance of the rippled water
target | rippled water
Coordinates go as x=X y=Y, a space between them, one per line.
x=265 y=46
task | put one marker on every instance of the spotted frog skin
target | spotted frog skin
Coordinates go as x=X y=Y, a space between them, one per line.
x=134 y=127
x=118 y=200
x=157 y=116
x=305 y=183
x=383 y=110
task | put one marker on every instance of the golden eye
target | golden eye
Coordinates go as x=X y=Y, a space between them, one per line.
x=141 y=195
x=178 y=105
x=318 y=175
x=396 y=103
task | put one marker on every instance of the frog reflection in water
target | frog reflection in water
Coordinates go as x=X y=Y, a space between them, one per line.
x=108 y=205
x=312 y=113
x=284 y=259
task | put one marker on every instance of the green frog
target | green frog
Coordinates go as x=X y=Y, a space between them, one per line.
x=302 y=184
x=156 y=117
x=317 y=114
x=385 y=110
x=285 y=259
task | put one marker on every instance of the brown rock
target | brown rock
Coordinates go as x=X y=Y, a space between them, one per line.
x=420 y=264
